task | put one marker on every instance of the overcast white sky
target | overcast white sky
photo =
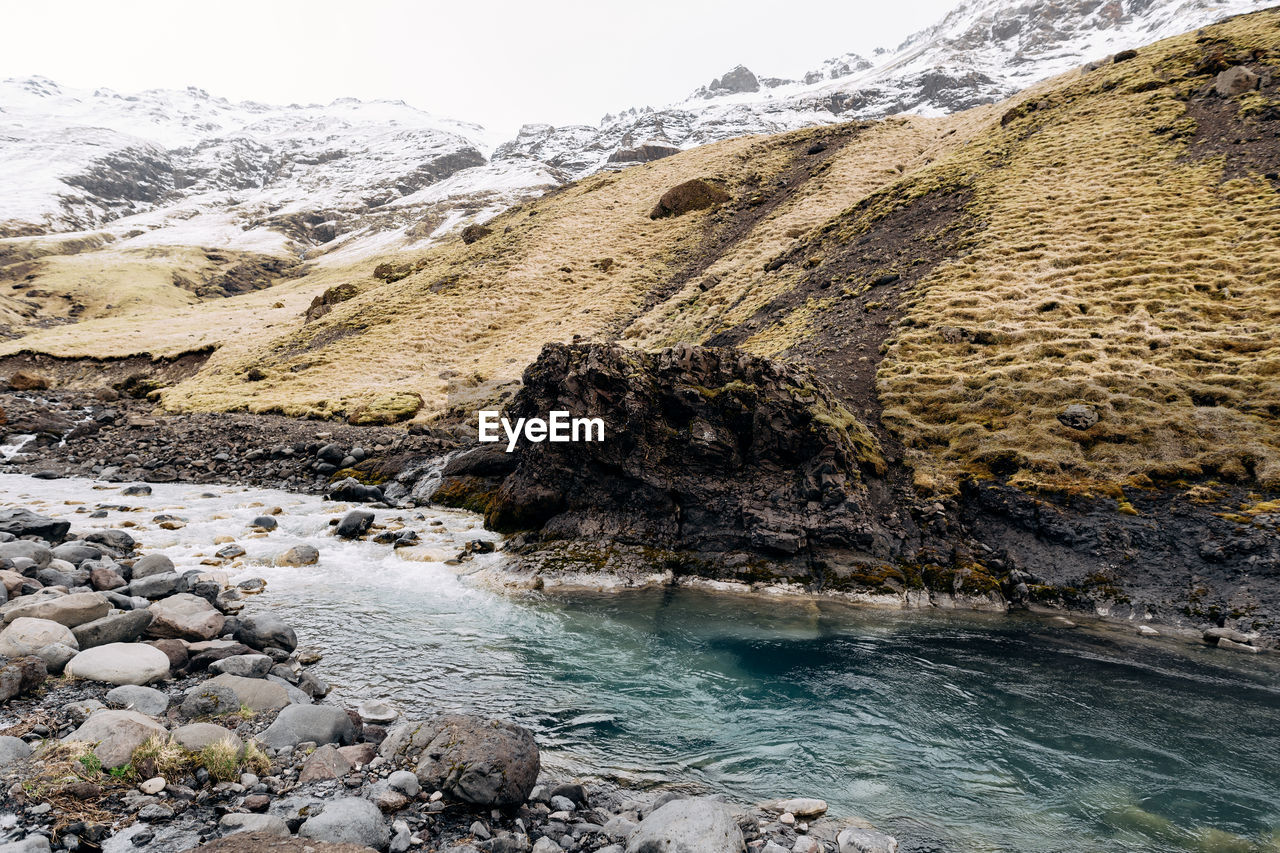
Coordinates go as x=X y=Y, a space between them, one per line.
x=499 y=62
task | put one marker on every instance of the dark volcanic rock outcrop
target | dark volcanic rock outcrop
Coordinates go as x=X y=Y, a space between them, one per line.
x=707 y=451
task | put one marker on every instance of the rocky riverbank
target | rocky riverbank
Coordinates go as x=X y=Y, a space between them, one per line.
x=719 y=467
x=151 y=708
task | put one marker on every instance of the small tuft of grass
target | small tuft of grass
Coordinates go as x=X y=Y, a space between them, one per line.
x=255 y=760
x=222 y=760
x=159 y=755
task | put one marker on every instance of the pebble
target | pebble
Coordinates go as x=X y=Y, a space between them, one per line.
x=153 y=785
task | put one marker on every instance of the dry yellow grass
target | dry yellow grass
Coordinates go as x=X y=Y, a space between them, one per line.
x=1113 y=270
x=58 y=280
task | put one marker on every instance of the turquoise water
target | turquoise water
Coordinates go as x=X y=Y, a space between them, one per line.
x=956 y=732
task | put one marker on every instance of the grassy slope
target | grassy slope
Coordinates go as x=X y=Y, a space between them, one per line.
x=1108 y=259
x=55 y=280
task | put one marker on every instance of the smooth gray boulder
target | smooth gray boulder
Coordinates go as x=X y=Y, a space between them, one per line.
x=245 y=666
x=115 y=735
x=70 y=610
x=264 y=630
x=76 y=553
x=695 y=825
x=209 y=700
x=56 y=656
x=261 y=823
x=12 y=749
x=135 y=697
x=27 y=636
x=320 y=724
x=348 y=820
x=123 y=627
x=257 y=694
x=154 y=586
x=858 y=840
x=185 y=617
x=152 y=564
x=120 y=663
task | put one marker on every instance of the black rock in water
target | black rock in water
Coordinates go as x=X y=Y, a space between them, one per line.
x=354 y=524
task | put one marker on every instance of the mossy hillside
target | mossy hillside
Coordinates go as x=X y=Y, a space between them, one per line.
x=1114 y=268
x=460 y=326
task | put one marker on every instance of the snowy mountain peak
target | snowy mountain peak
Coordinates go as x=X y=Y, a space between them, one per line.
x=185 y=167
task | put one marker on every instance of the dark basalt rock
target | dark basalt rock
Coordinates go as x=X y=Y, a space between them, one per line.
x=352 y=489
x=706 y=450
x=696 y=194
x=24 y=522
x=354 y=524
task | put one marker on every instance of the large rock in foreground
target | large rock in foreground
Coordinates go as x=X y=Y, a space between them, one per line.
x=24 y=522
x=348 y=820
x=27 y=636
x=185 y=617
x=486 y=762
x=70 y=610
x=120 y=663
x=116 y=734
x=320 y=724
x=698 y=825
x=706 y=450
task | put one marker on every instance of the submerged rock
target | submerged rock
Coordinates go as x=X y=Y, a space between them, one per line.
x=299 y=555
x=354 y=524
x=856 y=840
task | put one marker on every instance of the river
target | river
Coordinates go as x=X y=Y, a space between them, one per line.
x=956 y=732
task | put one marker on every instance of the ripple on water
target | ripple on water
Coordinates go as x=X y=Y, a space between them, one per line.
x=959 y=732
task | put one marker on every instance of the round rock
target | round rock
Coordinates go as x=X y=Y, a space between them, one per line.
x=134 y=697
x=120 y=663
x=208 y=700
x=348 y=820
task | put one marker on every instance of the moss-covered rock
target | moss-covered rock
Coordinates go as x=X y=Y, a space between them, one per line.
x=392 y=408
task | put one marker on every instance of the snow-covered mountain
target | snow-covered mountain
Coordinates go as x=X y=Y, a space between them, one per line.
x=185 y=168
x=981 y=52
x=182 y=167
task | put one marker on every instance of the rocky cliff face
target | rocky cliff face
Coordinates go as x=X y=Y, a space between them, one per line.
x=713 y=453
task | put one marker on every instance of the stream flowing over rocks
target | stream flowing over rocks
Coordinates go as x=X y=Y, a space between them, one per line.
x=150 y=703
